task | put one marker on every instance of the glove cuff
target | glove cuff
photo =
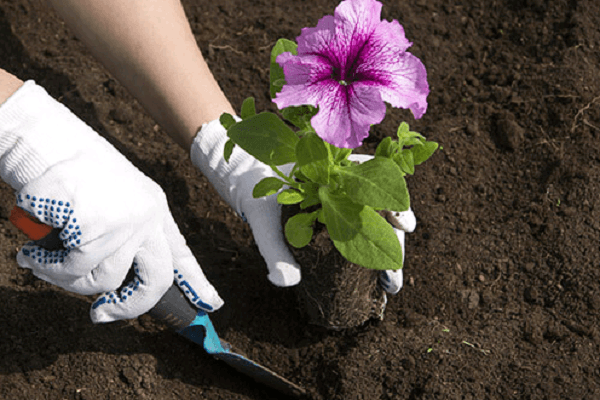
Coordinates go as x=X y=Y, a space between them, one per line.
x=19 y=114
x=37 y=132
x=207 y=155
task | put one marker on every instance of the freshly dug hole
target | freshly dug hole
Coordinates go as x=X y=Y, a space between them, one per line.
x=334 y=293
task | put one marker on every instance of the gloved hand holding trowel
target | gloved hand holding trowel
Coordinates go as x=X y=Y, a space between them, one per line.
x=110 y=215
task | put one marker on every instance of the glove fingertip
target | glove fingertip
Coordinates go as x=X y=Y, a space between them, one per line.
x=98 y=313
x=208 y=299
x=283 y=270
x=391 y=281
x=22 y=260
x=284 y=274
x=406 y=220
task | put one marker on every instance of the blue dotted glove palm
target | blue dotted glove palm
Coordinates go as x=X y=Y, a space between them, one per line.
x=110 y=215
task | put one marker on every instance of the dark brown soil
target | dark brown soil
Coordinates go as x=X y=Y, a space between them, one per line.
x=502 y=293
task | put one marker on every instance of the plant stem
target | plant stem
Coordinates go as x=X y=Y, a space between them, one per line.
x=285 y=178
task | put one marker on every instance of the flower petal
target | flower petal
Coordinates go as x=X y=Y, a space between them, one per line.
x=355 y=22
x=357 y=18
x=347 y=113
x=386 y=41
x=304 y=76
x=348 y=66
x=317 y=40
x=400 y=76
x=406 y=85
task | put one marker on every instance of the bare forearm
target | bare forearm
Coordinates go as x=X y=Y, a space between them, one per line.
x=8 y=85
x=149 y=47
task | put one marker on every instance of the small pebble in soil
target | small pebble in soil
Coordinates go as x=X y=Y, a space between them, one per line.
x=473 y=128
x=532 y=333
x=509 y=134
x=531 y=294
x=120 y=115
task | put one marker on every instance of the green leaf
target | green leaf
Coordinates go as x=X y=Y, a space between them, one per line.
x=320 y=217
x=290 y=196
x=248 y=108
x=422 y=153
x=313 y=158
x=342 y=155
x=413 y=141
x=405 y=161
x=227 y=120
x=378 y=183
x=276 y=72
x=266 y=137
x=338 y=154
x=386 y=148
x=311 y=192
x=309 y=201
x=229 y=145
x=299 y=230
x=360 y=233
x=267 y=187
x=408 y=156
x=300 y=176
x=406 y=137
x=300 y=116
x=279 y=83
x=403 y=130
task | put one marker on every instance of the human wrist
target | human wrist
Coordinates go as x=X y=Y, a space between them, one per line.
x=9 y=84
x=202 y=102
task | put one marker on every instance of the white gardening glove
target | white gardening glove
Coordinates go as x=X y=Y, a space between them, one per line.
x=111 y=215
x=235 y=180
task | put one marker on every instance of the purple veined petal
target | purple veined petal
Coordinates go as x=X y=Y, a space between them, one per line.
x=306 y=80
x=297 y=95
x=347 y=113
x=296 y=71
x=400 y=76
x=386 y=41
x=322 y=42
x=355 y=22
x=317 y=40
x=405 y=84
x=357 y=17
x=347 y=67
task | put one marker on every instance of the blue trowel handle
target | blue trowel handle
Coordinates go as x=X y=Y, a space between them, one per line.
x=174 y=310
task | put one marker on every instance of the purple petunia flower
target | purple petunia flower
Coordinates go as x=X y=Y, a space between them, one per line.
x=348 y=66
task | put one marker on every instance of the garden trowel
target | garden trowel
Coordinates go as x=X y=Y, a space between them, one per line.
x=176 y=312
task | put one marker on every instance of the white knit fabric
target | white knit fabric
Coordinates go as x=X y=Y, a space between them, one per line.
x=110 y=215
